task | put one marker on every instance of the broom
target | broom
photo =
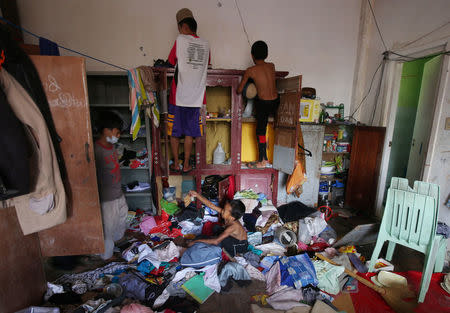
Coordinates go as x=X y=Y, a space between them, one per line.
x=392 y=295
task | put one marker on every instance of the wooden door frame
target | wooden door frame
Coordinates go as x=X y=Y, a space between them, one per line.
x=390 y=98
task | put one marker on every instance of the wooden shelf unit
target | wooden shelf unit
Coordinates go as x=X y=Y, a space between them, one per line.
x=263 y=180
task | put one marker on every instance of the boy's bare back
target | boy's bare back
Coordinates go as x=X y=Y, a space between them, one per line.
x=263 y=74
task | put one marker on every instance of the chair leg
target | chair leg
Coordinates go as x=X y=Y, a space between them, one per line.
x=430 y=260
x=440 y=257
x=375 y=254
x=390 y=251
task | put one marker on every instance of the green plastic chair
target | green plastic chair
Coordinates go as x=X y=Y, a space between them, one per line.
x=410 y=219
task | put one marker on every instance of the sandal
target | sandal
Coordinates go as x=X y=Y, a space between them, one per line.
x=174 y=169
x=186 y=172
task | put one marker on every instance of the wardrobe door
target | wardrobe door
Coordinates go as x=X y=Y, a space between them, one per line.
x=64 y=81
x=365 y=159
x=287 y=124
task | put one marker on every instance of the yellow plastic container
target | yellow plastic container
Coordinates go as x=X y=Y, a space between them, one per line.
x=309 y=110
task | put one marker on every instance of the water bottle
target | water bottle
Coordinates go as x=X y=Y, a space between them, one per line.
x=219 y=154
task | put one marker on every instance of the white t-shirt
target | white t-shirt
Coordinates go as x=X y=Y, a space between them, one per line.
x=193 y=57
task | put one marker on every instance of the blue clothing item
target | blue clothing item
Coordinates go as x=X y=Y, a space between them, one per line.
x=48 y=47
x=254 y=250
x=184 y=121
x=233 y=270
x=200 y=255
x=145 y=267
x=267 y=262
x=297 y=271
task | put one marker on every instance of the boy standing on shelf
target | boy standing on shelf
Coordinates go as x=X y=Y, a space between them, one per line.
x=267 y=99
x=112 y=200
x=190 y=56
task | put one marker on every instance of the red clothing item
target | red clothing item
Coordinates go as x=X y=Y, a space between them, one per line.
x=173 y=60
x=207 y=228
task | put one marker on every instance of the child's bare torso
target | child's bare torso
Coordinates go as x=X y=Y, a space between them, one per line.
x=238 y=231
x=264 y=77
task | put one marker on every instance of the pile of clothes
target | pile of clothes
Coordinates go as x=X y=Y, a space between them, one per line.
x=160 y=268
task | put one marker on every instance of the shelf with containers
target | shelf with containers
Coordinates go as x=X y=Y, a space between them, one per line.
x=110 y=92
x=222 y=122
x=336 y=153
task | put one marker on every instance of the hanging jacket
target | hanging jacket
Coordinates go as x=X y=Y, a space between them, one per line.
x=45 y=205
x=19 y=65
x=14 y=167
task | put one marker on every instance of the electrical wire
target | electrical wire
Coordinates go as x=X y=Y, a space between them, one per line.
x=370 y=87
x=410 y=59
x=378 y=28
x=62 y=47
x=423 y=36
x=242 y=22
x=377 y=95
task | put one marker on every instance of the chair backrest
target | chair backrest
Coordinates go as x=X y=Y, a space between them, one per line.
x=410 y=217
x=410 y=214
x=420 y=187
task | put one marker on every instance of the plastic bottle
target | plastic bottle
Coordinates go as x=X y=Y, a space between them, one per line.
x=341 y=111
x=219 y=154
x=322 y=116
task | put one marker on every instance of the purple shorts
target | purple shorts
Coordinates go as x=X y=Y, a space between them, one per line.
x=184 y=121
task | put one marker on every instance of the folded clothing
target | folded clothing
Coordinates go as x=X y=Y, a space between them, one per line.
x=137 y=186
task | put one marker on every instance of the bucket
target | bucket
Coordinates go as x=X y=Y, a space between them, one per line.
x=285 y=236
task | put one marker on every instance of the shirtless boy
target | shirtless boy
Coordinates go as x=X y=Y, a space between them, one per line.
x=233 y=238
x=267 y=100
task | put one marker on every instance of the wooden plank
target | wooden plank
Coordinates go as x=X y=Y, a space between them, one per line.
x=344 y=303
x=289 y=110
x=289 y=84
x=287 y=127
x=64 y=81
x=285 y=137
x=21 y=272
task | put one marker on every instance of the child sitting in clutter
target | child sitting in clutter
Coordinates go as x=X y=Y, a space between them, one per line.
x=267 y=99
x=112 y=201
x=232 y=237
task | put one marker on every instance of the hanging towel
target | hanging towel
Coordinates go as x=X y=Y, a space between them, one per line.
x=140 y=96
x=136 y=99
x=48 y=47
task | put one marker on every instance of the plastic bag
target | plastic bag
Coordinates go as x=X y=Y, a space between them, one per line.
x=304 y=235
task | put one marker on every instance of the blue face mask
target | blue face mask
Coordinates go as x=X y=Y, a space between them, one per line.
x=112 y=139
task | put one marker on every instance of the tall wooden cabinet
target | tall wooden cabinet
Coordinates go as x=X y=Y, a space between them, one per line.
x=225 y=128
x=365 y=160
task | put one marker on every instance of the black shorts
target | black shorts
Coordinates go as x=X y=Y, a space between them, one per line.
x=264 y=108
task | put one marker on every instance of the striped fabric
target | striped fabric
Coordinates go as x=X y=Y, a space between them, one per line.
x=139 y=96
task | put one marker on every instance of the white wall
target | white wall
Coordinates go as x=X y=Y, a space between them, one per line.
x=402 y=22
x=317 y=39
x=437 y=164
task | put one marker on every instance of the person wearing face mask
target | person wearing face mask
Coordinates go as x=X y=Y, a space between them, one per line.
x=112 y=200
